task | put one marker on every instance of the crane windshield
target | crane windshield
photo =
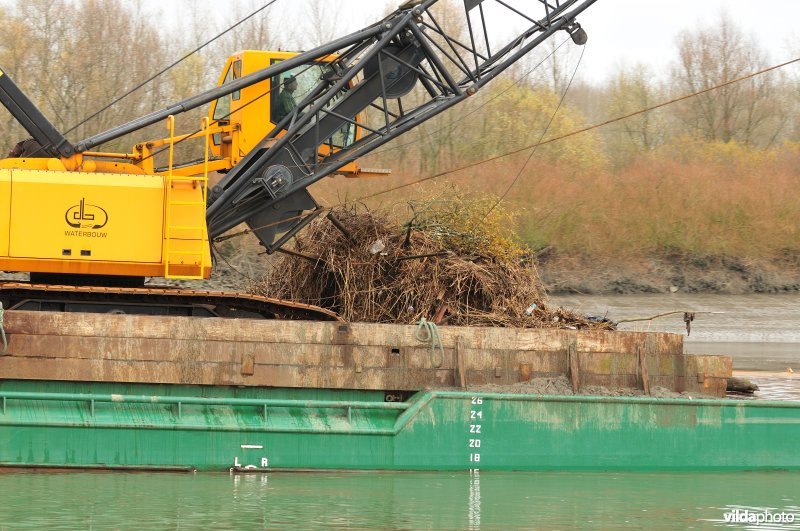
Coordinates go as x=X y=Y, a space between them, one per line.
x=222 y=110
x=291 y=87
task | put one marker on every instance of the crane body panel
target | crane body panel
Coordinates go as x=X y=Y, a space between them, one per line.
x=98 y=224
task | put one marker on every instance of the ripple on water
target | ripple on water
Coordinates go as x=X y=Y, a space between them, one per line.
x=777 y=387
x=551 y=500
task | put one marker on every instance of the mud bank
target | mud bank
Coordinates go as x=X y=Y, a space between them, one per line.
x=592 y=275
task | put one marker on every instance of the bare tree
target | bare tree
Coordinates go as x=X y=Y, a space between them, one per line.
x=258 y=33
x=630 y=90
x=560 y=60
x=73 y=58
x=747 y=111
x=321 y=22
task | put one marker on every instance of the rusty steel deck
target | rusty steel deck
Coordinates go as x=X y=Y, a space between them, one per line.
x=86 y=347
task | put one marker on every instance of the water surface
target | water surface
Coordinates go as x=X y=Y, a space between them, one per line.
x=560 y=500
x=761 y=332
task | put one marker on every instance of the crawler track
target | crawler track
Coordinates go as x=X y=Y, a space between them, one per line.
x=155 y=301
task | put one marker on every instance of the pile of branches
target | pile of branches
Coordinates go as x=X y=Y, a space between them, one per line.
x=369 y=269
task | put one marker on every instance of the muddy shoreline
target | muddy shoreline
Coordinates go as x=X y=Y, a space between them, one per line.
x=571 y=274
x=591 y=275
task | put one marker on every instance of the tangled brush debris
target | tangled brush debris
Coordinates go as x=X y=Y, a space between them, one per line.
x=438 y=267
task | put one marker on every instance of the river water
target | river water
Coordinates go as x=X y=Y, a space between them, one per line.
x=762 y=333
x=392 y=500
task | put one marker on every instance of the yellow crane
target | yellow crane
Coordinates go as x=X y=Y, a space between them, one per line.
x=82 y=221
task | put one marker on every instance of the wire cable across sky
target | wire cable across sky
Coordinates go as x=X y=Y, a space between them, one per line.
x=167 y=68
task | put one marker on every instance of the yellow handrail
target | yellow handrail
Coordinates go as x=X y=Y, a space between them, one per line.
x=205 y=153
x=167 y=223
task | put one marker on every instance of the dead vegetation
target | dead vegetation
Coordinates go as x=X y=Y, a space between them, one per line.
x=447 y=265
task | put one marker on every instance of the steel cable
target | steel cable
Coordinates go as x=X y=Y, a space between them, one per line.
x=579 y=131
x=167 y=68
x=525 y=148
x=541 y=137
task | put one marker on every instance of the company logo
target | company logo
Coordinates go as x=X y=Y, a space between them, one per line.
x=86 y=216
x=744 y=516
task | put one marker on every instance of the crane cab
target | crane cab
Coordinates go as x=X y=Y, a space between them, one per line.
x=254 y=111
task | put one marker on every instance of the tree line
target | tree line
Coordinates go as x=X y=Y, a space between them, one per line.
x=72 y=57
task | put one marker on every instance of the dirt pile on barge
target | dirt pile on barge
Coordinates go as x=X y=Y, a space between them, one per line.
x=447 y=267
x=561 y=386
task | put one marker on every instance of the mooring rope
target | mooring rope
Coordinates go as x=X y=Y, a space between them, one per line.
x=428 y=332
x=3 y=329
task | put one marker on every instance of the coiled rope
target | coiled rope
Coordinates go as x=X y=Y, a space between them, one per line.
x=3 y=329
x=428 y=332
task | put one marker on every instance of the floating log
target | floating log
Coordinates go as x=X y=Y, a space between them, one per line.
x=741 y=385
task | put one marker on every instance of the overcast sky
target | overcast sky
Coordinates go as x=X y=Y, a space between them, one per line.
x=620 y=31
x=645 y=30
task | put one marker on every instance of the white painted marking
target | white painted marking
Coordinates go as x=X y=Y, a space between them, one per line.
x=252 y=447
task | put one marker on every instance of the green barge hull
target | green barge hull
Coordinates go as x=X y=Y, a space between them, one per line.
x=143 y=426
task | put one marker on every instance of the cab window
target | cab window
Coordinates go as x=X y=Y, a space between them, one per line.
x=291 y=87
x=237 y=73
x=223 y=106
